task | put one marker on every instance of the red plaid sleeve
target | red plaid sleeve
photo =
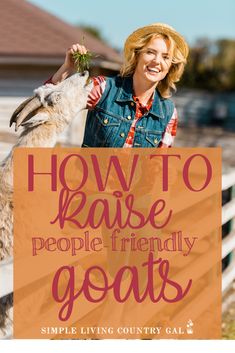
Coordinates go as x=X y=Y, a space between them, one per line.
x=96 y=92
x=170 y=132
x=48 y=81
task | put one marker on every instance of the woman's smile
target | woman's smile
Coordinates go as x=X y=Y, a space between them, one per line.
x=153 y=70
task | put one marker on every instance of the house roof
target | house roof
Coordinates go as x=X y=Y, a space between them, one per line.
x=28 y=31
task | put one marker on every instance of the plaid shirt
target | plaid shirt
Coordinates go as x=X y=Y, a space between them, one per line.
x=99 y=84
x=141 y=109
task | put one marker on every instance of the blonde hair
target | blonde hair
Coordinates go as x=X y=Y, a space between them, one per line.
x=176 y=69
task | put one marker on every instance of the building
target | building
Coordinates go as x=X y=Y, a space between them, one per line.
x=33 y=44
x=32 y=47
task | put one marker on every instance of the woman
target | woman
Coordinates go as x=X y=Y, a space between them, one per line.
x=133 y=109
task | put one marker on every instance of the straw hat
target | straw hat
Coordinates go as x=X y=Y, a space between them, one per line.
x=158 y=28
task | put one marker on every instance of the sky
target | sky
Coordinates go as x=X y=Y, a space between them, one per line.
x=118 y=18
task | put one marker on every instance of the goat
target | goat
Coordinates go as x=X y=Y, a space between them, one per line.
x=43 y=118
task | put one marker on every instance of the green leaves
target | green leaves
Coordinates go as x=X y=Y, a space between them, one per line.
x=82 y=61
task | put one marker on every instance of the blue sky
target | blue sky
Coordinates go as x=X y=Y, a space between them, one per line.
x=117 y=19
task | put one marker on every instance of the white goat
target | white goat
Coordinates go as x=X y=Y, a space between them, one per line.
x=44 y=117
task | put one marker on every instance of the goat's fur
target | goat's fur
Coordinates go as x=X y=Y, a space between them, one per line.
x=59 y=104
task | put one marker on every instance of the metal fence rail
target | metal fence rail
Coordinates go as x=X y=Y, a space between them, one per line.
x=228 y=244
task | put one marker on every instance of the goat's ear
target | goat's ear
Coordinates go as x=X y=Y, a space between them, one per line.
x=53 y=98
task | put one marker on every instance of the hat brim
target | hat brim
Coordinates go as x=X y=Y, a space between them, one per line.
x=158 y=29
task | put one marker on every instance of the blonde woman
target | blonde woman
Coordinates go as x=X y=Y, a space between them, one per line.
x=133 y=109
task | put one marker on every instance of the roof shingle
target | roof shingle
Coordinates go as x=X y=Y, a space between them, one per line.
x=27 y=30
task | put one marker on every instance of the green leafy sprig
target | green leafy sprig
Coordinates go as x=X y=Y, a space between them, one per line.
x=82 y=61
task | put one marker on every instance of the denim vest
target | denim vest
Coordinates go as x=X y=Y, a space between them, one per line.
x=108 y=124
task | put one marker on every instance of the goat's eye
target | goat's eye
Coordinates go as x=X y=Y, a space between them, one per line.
x=53 y=98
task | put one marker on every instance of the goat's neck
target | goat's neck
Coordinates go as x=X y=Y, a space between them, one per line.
x=44 y=135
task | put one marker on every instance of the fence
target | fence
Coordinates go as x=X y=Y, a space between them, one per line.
x=228 y=243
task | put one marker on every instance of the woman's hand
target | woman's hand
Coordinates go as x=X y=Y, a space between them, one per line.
x=69 y=61
x=68 y=67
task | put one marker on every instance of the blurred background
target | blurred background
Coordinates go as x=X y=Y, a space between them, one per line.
x=36 y=33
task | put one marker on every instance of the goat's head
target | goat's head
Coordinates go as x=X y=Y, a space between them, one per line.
x=68 y=97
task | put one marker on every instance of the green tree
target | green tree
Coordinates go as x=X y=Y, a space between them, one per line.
x=94 y=31
x=211 y=65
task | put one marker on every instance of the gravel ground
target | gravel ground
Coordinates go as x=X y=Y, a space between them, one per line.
x=209 y=137
x=228 y=317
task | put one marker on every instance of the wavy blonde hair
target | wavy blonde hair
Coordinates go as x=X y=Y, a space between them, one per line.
x=176 y=70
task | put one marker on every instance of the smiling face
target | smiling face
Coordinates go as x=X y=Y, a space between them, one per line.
x=154 y=61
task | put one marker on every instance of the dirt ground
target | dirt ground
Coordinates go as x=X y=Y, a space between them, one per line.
x=228 y=317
